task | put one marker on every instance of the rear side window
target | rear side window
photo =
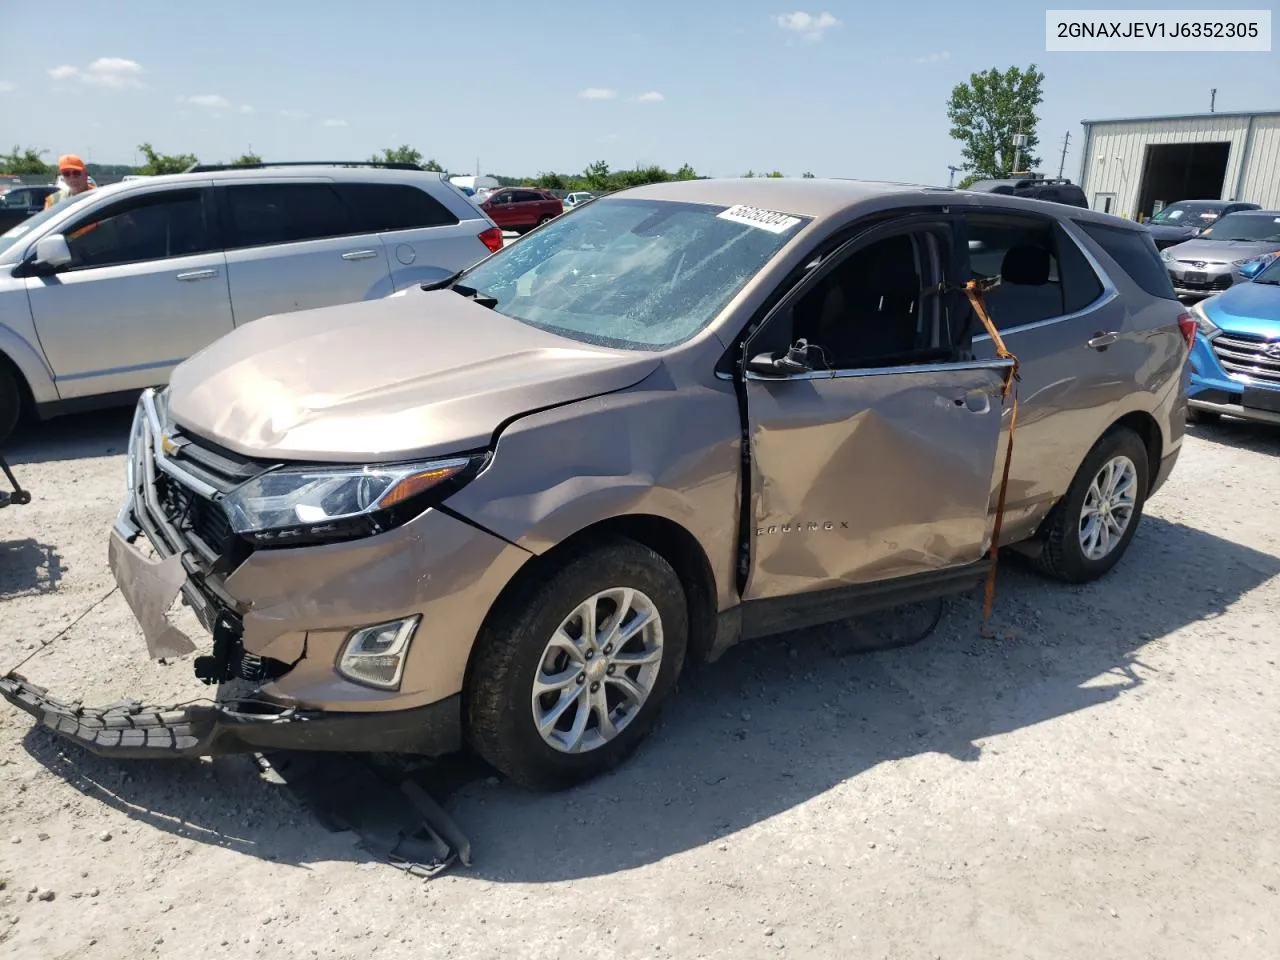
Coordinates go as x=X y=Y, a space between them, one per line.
x=528 y=196
x=379 y=207
x=268 y=213
x=998 y=244
x=1080 y=284
x=1135 y=252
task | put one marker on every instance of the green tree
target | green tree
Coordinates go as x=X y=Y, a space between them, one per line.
x=551 y=181
x=158 y=163
x=989 y=111
x=401 y=154
x=246 y=160
x=807 y=176
x=597 y=176
x=776 y=175
x=686 y=172
x=20 y=161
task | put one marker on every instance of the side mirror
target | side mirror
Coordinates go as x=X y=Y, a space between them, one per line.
x=52 y=251
x=796 y=360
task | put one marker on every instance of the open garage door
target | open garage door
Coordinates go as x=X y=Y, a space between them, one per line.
x=1182 y=171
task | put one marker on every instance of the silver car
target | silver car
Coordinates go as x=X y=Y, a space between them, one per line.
x=1232 y=250
x=105 y=293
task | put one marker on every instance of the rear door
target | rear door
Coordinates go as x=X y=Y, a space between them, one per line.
x=293 y=245
x=876 y=463
x=146 y=288
x=1070 y=332
x=424 y=241
x=501 y=210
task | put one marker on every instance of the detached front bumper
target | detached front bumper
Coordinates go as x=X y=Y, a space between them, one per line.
x=134 y=731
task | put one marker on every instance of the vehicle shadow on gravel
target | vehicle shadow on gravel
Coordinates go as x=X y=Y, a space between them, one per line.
x=1261 y=438
x=28 y=567
x=781 y=721
x=103 y=433
x=772 y=725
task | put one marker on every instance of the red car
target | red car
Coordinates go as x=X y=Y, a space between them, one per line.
x=521 y=208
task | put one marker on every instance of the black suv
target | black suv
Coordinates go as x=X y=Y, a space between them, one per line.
x=1035 y=188
x=18 y=203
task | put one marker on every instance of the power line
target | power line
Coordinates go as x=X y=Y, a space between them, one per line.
x=1066 y=142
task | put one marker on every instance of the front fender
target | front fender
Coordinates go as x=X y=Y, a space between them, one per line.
x=17 y=346
x=647 y=450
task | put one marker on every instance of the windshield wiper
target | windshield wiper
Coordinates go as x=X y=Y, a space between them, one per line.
x=471 y=293
x=440 y=284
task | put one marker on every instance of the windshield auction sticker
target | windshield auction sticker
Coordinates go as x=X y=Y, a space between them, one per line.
x=769 y=220
x=1141 y=31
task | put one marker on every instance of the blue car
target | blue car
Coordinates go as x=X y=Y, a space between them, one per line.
x=1235 y=362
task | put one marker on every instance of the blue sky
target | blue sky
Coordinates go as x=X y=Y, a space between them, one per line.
x=841 y=89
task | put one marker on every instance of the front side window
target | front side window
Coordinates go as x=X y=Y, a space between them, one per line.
x=155 y=226
x=629 y=273
x=270 y=213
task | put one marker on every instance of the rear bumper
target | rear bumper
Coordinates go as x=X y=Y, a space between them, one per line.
x=133 y=731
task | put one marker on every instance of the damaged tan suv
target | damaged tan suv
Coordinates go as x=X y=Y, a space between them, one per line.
x=507 y=509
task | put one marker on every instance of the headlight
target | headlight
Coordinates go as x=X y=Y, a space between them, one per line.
x=297 y=505
x=375 y=655
x=1166 y=254
x=1206 y=326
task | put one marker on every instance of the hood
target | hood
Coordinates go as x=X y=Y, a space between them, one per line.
x=1170 y=231
x=405 y=377
x=1252 y=309
x=1221 y=251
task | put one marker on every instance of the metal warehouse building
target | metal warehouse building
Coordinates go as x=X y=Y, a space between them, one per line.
x=1133 y=167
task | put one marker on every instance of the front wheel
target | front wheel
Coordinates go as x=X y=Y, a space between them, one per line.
x=571 y=671
x=1091 y=527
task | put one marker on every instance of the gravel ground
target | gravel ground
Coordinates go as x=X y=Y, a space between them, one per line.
x=1102 y=781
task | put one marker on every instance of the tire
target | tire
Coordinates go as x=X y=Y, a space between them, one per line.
x=543 y=220
x=1064 y=556
x=1202 y=416
x=514 y=649
x=10 y=400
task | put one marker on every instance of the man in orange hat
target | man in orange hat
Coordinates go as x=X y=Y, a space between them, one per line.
x=73 y=178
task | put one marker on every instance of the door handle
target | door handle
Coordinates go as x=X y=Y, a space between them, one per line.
x=359 y=254
x=977 y=401
x=198 y=275
x=1102 y=340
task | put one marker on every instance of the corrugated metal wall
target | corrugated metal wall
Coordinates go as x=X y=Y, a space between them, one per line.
x=1262 y=173
x=1117 y=150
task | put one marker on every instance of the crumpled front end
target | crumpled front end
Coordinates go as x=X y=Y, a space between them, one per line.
x=279 y=619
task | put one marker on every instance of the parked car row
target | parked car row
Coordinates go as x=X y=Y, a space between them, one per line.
x=506 y=508
x=1232 y=248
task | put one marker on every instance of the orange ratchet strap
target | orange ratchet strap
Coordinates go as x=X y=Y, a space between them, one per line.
x=973 y=290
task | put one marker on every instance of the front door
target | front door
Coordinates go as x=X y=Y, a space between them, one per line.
x=876 y=461
x=145 y=289
x=294 y=245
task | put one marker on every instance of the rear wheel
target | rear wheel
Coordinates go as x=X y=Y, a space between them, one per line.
x=547 y=219
x=1091 y=527
x=571 y=671
x=10 y=400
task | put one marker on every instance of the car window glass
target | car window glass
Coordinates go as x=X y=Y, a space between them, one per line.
x=150 y=227
x=267 y=213
x=378 y=207
x=869 y=310
x=1245 y=226
x=1135 y=252
x=634 y=274
x=1016 y=249
x=527 y=196
x=1080 y=283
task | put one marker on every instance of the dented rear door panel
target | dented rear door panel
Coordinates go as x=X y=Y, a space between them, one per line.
x=870 y=475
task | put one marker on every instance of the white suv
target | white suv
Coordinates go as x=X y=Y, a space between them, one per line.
x=103 y=294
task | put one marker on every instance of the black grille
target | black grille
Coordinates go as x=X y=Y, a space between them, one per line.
x=220 y=468
x=1222 y=282
x=201 y=520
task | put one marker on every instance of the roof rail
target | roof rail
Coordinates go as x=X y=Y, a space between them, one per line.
x=214 y=167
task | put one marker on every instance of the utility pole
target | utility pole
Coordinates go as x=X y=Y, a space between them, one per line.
x=1213 y=98
x=1063 y=162
x=952 y=179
